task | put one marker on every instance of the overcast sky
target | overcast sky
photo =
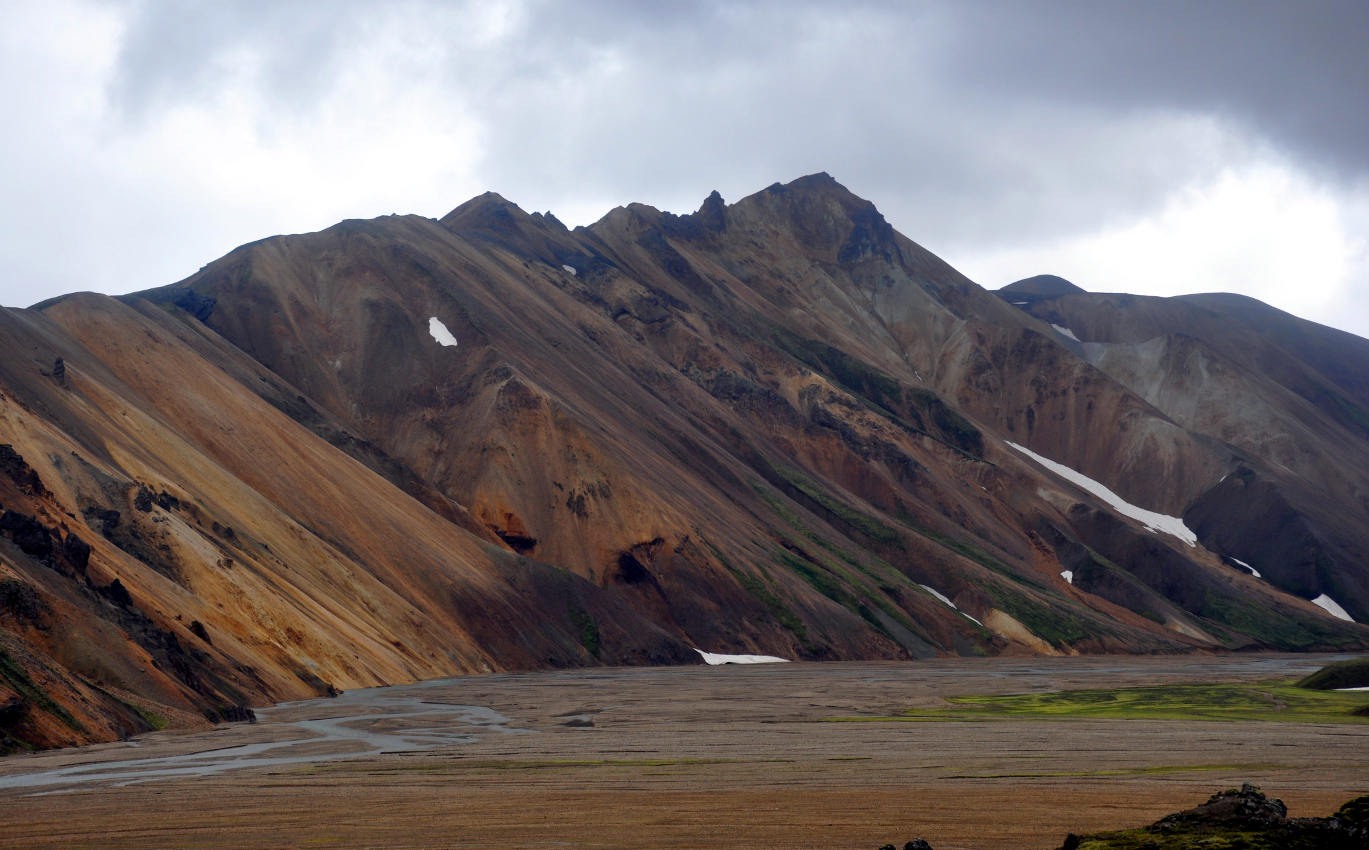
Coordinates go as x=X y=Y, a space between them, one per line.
x=1151 y=147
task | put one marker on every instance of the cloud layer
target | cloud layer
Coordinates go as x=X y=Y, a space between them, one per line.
x=1158 y=147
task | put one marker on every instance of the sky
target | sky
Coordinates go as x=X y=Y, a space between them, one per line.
x=1158 y=148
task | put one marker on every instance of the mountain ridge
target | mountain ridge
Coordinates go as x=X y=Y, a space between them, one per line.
x=775 y=426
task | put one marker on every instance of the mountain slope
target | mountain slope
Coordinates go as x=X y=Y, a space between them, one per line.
x=405 y=448
x=1290 y=397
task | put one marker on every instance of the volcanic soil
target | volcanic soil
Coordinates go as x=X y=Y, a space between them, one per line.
x=684 y=757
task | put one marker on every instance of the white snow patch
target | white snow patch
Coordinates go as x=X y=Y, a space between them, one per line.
x=946 y=599
x=1332 y=607
x=1063 y=331
x=1351 y=689
x=715 y=658
x=570 y=269
x=1254 y=572
x=1020 y=303
x=440 y=332
x=1154 y=522
x=1068 y=576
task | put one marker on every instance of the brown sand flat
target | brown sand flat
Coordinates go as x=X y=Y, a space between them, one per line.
x=697 y=757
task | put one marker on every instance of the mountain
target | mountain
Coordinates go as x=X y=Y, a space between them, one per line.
x=1290 y=397
x=407 y=448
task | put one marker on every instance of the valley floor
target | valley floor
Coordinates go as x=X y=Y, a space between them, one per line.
x=690 y=757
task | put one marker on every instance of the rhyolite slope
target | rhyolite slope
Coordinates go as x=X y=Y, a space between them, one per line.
x=772 y=427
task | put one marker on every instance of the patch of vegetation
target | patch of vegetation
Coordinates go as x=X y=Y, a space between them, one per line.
x=836 y=510
x=1343 y=674
x=1281 y=702
x=153 y=719
x=824 y=578
x=783 y=512
x=20 y=683
x=1341 y=408
x=782 y=613
x=1053 y=625
x=819 y=578
x=909 y=407
x=588 y=629
x=1276 y=629
x=964 y=549
x=853 y=374
x=835 y=583
x=954 y=427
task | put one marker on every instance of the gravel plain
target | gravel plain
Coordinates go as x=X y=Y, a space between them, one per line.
x=684 y=757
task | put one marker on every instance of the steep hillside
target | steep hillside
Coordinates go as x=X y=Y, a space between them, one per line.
x=406 y=448
x=1290 y=397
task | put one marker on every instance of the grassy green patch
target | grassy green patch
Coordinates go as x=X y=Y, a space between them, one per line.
x=1281 y=702
x=20 y=683
x=1343 y=674
x=783 y=614
x=587 y=628
x=157 y=721
x=837 y=511
x=1277 y=629
x=1054 y=625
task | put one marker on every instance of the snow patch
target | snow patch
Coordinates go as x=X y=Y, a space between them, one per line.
x=1332 y=607
x=440 y=332
x=715 y=658
x=1063 y=331
x=946 y=599
x=1020 y=303
x=1254 y=572
x=570 y=269
x=1068 y=576
x=1351 y=689
x=1154 y=522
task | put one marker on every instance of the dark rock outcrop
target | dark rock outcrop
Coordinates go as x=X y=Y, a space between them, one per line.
x=1242 y=818
x=28 y=533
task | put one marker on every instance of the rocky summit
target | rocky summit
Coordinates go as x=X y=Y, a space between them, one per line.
x=408 y=448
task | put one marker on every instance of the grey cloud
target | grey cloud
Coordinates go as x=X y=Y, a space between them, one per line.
x=877 y=95
x=972 y=123
x=1296 y=72
x=178 y=52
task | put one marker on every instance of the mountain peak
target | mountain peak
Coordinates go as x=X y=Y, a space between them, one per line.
x=488 y=211
x=1043 y=285
x=712 y=214
x=818 y=185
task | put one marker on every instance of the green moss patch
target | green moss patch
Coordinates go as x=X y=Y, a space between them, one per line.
x=1282 y=702
x=19 y=682
x=1343 y=674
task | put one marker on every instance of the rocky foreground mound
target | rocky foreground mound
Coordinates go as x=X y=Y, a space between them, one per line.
x=1235 y=819
x=1240 y=818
